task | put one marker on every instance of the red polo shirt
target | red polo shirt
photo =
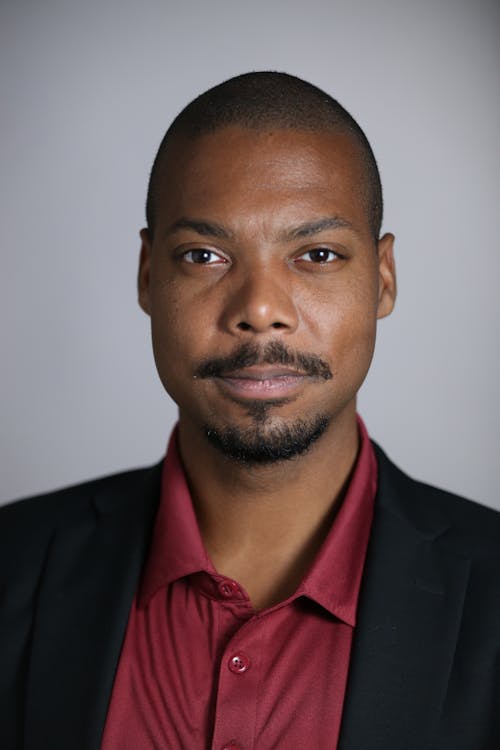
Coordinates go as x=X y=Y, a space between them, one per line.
x=200 y=668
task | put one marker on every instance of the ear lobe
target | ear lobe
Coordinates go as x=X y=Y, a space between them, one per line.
x=387 y=276
x=144 y=269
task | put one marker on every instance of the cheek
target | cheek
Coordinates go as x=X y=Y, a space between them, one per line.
x=346 y=327
x=346 y=310
x=180 y=331
x=168 y=330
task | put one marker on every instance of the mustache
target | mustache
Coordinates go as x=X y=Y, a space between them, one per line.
x=273 y=353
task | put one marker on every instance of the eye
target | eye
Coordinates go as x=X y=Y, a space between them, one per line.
x=203 y=257
x=319 y=255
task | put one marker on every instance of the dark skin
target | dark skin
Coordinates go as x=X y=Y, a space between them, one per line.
x=262 y=235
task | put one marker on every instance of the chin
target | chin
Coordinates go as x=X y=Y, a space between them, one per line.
x=266 y=441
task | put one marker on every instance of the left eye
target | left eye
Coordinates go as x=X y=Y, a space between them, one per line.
x=202 y=256
x=319 y=255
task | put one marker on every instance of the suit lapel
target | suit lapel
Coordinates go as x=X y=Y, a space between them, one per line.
x=407 y=625
x=90 y=580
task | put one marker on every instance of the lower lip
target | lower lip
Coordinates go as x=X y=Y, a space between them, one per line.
x=271 y=388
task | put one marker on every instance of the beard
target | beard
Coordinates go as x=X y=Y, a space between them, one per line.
x=267 y=444
x=265 y=440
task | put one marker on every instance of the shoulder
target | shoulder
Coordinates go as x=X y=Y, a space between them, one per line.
x=464 y=524
x=27 y=525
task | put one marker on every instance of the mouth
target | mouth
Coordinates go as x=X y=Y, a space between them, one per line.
x=261 y=382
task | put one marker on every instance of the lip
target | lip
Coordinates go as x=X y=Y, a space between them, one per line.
x=263 y=382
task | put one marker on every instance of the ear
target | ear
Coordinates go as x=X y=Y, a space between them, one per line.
x=386 y=276
x=144 y=268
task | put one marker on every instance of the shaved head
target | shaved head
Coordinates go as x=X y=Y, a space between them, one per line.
x=262 y=101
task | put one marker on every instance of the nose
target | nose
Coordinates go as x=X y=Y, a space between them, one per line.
x=260 y=303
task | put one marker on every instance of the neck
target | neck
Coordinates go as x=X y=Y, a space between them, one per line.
x=262 y=525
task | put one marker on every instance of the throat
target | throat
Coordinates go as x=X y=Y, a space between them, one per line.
x=263 y=526
x=270 y=562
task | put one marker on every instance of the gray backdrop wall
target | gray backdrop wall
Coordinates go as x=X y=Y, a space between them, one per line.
x=87 y=90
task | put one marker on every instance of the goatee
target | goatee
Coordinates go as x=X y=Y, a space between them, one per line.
x=259 y=444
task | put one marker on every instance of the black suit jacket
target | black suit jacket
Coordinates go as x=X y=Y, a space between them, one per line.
x=425 y=668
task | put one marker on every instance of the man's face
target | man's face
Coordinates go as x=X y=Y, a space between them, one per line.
x=264 y=284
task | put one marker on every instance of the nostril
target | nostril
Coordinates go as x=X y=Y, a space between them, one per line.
x=243 y=326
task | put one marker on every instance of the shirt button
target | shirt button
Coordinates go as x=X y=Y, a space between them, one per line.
x=228 y=588
x=239 y=663
x=231 y=746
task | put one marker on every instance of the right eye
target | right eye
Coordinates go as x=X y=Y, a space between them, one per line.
x=203 y=257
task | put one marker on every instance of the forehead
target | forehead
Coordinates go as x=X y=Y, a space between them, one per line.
x=235 y=171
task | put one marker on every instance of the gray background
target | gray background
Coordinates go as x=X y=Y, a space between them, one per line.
x=87 y=89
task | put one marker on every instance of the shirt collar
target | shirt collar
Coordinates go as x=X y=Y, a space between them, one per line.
x=177 y=549
x=334 y=579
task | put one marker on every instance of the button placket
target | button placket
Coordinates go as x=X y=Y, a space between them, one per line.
x=237 y=692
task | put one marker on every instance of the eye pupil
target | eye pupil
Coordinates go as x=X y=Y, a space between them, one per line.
x=319 y=255
x=201 y=256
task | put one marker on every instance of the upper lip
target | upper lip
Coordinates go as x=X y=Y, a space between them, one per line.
x=263 y=372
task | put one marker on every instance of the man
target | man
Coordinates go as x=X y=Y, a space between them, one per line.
x=276 y=582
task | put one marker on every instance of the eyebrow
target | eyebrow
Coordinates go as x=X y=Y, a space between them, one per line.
x=207 y=228
x=200 y=226
x=310 y=228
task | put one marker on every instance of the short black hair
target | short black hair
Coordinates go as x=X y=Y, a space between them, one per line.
x=264 y=99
